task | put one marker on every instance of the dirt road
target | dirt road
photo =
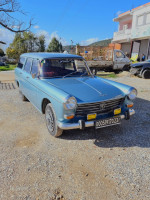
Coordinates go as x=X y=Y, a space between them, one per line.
x=107 y=164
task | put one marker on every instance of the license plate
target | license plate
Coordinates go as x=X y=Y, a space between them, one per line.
x=107 y=122
x=117 y=111
x=91 y=116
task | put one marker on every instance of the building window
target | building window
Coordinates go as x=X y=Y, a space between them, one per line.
x=148 y=18
x=140 y=20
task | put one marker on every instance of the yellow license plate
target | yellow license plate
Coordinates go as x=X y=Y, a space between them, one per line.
x=91 y=116
x=117 y=111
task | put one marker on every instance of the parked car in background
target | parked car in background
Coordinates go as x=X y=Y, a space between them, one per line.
x=113 y=61
x=141 y=69
x=62 y=87
x=2 y=63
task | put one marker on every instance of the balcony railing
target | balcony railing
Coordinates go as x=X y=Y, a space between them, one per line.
x=122 y=35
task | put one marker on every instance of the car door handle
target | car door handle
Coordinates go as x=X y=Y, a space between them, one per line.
x=20 y=73
x=27 y=77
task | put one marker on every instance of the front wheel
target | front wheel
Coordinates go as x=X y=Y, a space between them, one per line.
x=51 y=121
x=146 y=74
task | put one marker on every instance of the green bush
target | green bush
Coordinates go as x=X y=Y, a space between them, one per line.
x=7 y=67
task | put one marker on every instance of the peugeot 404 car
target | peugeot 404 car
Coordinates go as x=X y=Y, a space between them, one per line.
x=62 y=87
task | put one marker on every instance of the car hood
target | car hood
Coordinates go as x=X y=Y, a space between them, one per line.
x=140 y=64
x=87 y=89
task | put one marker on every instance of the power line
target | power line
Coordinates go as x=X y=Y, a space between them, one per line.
x=63 y=14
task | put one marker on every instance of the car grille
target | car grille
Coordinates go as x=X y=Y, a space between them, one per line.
x=98 y=107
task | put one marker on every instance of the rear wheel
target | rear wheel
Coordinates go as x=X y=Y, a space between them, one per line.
x=51 y=121
x=146 y=74
x=117 y=72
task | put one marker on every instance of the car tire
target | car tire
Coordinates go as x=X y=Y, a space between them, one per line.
x=126 y=68
x=51 y=121
x=117 y=72
x=23 y=98
x=146 y=74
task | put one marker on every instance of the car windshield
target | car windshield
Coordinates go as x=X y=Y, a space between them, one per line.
x=51 y=68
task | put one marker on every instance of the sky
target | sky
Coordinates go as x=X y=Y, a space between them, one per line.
x=82 y=21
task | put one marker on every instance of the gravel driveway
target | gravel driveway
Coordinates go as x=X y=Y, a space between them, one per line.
x=108 y=164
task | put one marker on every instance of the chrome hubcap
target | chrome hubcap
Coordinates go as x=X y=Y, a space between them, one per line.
x=50 y=120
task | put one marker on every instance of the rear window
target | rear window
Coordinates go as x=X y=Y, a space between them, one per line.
x=21 y=62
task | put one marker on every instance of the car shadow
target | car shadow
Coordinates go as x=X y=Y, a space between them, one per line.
x=133 y=132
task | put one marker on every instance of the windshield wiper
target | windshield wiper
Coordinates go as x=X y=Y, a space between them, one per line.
x=70 y=74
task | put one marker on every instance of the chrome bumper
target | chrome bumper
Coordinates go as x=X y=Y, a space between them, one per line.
x=67 y=126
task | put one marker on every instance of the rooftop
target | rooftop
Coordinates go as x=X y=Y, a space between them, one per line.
x=129 y=12
x=45 y=55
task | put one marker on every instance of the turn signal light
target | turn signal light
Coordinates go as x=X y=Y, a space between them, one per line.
x=68 y=116
x=129 y=105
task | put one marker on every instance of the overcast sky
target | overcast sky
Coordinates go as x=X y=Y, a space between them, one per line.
x=83 y=21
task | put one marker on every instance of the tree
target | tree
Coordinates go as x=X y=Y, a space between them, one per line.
x=25 y=42
x=7 y=19
x=41 y=43
x=54 y=46
x=1 y=53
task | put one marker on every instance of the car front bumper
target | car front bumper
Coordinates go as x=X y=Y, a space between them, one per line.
x=82 y=125
x=135 y=71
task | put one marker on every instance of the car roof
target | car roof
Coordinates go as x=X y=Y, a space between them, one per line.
x=45 y=55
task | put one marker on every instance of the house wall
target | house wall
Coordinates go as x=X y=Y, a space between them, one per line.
x=127 y=22
x=141 y=23
x=143 y=48
x=126 y=47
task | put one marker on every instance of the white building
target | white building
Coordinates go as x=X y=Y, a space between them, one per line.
x=134 y=31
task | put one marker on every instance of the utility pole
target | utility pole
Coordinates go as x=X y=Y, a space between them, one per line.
x=71 y=46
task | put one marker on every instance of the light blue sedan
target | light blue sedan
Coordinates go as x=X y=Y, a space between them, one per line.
x=62 y=87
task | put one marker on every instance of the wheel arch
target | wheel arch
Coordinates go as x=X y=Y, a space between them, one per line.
x=144 y=68
x=17 y=82
x=45 y=101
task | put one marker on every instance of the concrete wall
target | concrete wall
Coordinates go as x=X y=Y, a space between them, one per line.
x=143 y=48
x=126 y=47
x=142 y=30
x=127 y=22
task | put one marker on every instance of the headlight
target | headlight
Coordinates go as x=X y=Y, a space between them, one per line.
x=70 y=104
x=132 y=95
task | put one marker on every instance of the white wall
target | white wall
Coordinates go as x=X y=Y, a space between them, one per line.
x=126 y=47
x=141 y=23
x=143 y=48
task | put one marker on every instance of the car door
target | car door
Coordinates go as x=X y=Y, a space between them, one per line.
x=19 y=72
x=120 y=60
x=26 y=77
x=34 y=82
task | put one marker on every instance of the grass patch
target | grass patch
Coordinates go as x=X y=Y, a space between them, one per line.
x=107 y=75
x=7 y=67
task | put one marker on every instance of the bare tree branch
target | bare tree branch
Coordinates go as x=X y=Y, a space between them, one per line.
x=1 y=42
x=8 y=21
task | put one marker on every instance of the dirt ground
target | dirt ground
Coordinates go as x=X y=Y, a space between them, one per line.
x=107 y=164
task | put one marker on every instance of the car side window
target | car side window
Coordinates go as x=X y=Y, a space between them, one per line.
x=119 y=54
x=28 y=65
x=34 y=69
x=21 y=62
